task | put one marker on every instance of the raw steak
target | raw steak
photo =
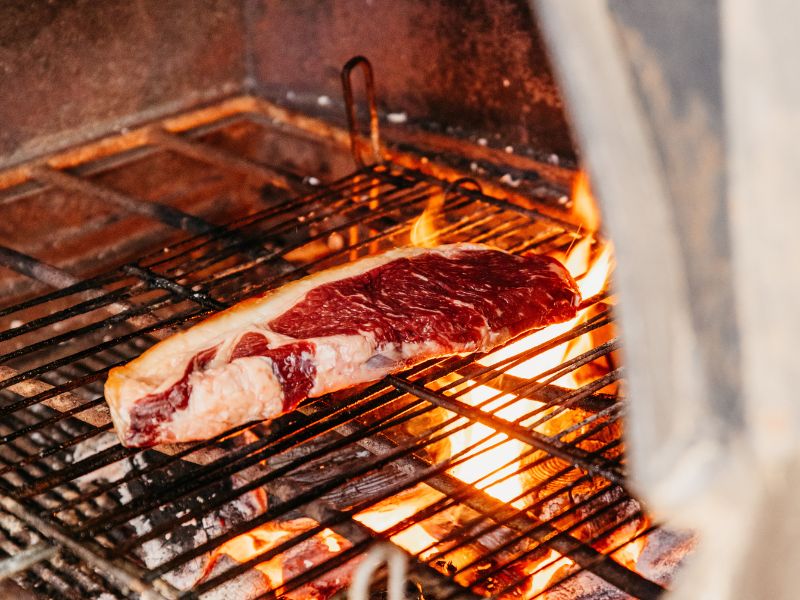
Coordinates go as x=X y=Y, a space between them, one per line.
x=331 y=330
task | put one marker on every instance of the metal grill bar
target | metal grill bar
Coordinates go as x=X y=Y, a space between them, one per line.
x=519 y=520
x=531 y=437
x=161 y=212
x=126 y=573
x=26 y=559
x=82 y=286
x=225 y=160
x=370 y=210
x=35 y=269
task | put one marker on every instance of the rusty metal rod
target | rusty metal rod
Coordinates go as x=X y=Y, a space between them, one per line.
x=25 y=559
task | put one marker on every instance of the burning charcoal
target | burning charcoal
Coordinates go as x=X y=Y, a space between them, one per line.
x=190 y=534
x=185 y=536
x=250 y=584
x=584 y=586
x=92 y=446
x=310 y=473
x=301 y=557
x=664 y=553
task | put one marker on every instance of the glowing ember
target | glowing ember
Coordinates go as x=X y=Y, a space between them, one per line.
x=629 y=554
x=544 y=571
x=250 y=545
x=391 y=511
x=484 y=465
x=278 y=569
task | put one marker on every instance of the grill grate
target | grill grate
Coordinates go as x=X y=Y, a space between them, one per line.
x=151 y=520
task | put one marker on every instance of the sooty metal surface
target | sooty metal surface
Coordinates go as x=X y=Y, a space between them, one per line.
x=422 y=460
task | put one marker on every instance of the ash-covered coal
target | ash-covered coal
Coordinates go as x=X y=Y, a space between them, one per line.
x=185 y=536
x=150 y=472
x=584 y=586
x=664 y=553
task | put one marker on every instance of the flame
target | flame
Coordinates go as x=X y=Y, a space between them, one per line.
x=254 y=543
x=590 y=262
x=245 y=547
x=543 y=572
x=391 y=511
x=629 y=553
x=591 y=269
x=483 y=466
x=424 y=232
x=584 y=206
x=490 y=464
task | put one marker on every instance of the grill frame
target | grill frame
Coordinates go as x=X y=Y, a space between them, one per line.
x=143 y=274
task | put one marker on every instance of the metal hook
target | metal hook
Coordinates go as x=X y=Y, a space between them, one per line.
x=347 y=86
x=463 y=182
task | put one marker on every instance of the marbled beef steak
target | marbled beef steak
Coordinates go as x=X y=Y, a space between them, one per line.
x=334 y=329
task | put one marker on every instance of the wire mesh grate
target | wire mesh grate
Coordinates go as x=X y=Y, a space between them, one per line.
x=312 y=490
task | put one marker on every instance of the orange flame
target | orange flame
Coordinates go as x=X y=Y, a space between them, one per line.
x=391 y=511
x=591 y=269
x=584 y=206
x=482 y=467
x=424 y=232
x=245 y=547
x=590 y=261
x=629 y=553
x=544 y=571
x=260 y=540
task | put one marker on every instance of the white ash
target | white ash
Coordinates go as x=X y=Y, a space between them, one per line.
x=91 y=447
x=664 y=554
x=193 y=533
x=482 y=141
x=16 y=323
x=140 y=460
x=247 y=586
x=124 y=494
x=335 y=241
x=16 y=527
x=324 y=101
x=553 y=159
x=39 y=439
x=510 y=181
x=397 y=117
